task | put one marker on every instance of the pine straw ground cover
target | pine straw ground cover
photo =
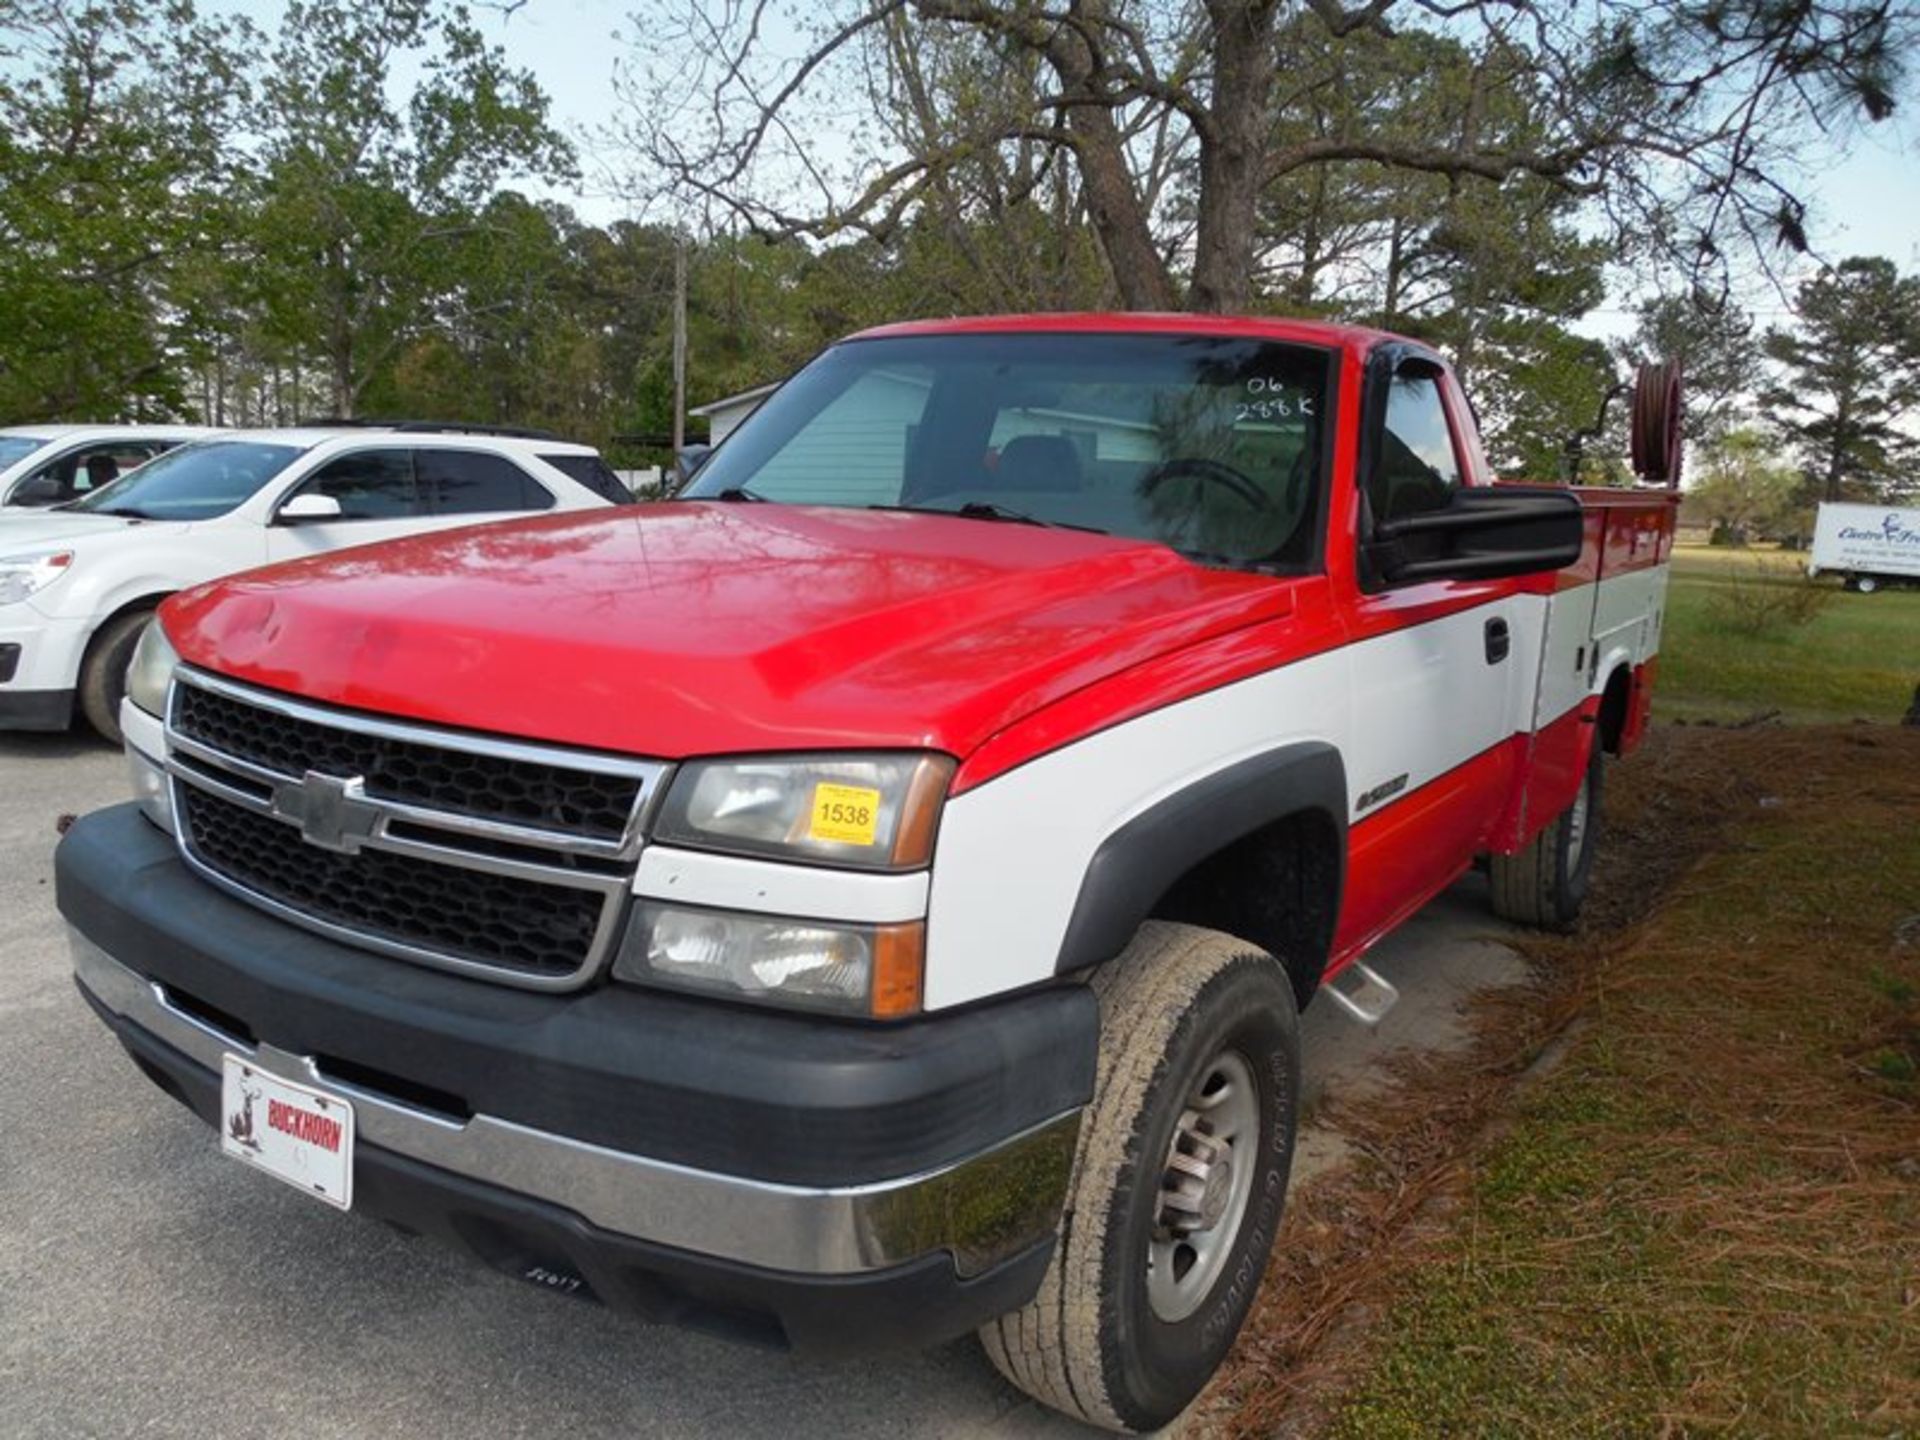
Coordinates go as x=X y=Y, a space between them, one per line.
x=1674 y=1188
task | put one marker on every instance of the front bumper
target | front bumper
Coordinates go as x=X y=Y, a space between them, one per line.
x=35 y=709
x=40 y=669
x=842 y=1187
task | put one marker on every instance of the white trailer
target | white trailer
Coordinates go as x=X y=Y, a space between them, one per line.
x=1871 y=545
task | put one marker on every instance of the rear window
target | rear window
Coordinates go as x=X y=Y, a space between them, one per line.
x=594 y=473
x=468 y=482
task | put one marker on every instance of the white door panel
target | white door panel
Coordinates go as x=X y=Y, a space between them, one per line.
x=292 y=542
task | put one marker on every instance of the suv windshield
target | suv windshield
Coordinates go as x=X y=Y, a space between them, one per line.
x=17 y=447
x=1210 y=445
x=195 y=482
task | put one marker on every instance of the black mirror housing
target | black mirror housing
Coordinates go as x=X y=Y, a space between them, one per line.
x=1485 y=532
x=37 y=490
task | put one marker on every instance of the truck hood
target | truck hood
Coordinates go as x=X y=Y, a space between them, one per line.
x=706 y=628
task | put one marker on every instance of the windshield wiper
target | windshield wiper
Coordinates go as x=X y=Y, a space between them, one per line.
x=124 y=512
x=1214 y=560
x=987 y=510
x=735 y=492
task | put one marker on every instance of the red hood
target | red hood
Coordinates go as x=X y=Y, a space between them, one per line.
x=687 y=629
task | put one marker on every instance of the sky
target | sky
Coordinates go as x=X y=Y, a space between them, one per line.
x=1865 y=201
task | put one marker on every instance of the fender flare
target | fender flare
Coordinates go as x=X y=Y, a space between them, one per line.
x=1138 y=862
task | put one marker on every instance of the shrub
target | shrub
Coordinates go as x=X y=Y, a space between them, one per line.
x=1760 y=603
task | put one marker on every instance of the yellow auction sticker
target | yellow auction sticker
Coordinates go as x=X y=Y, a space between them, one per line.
x=849 y=814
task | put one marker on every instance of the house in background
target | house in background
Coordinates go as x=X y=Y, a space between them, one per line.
x=724 y=415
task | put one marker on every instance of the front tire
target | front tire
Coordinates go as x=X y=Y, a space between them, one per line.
x=103 y=673
x=1546 y=883
x=1178 y=1186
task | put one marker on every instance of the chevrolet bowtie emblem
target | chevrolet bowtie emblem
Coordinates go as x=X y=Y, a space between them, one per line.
x=333 y=813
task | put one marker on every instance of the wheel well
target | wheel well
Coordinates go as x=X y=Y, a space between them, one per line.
x=145 y=602
x=1614 y=708
x=1277 y=888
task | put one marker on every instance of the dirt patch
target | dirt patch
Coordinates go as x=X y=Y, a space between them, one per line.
x=1679 y=979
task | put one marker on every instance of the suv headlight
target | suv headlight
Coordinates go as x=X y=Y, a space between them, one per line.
x=869 y=970
x=21 y=575
x=871 y=811
x=151 y=673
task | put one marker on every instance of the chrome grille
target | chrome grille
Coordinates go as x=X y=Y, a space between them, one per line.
x=464 y=852
x=486 y=786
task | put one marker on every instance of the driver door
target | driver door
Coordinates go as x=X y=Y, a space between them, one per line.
x=1433 y=674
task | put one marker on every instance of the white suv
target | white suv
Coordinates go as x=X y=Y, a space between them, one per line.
x=79 y=582
x=42 y=465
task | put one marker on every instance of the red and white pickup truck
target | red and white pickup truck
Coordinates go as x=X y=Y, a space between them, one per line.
x=869 y=898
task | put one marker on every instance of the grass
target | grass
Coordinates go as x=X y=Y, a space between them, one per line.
x=1858 y=657
x=1705 y=1217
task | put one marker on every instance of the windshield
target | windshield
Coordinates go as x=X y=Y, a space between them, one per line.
x=195 y=482
x=1210 y=445
x=17 y=447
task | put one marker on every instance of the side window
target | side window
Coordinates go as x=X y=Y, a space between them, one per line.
x=55 y=479
x=469 y=482
x=594 y=473
x=82 y=471
x=369 y=484
x=104 y=464
x=1416 y=470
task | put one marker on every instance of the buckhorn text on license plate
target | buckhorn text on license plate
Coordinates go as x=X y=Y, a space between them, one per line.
x=293 y=1132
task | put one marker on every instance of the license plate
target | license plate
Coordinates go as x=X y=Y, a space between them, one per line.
x=293 y=1132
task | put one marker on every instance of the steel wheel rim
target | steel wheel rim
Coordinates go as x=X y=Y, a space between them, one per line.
x=1577 y=823
x=1205 y=1184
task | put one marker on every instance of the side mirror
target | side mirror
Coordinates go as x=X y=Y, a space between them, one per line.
x=1483 y=533
x=308 y=508
x=37 y=490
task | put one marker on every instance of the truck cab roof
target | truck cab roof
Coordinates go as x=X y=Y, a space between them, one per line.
x=1357 y=339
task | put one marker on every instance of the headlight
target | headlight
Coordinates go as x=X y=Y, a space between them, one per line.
x=152 y=670
x=21 y=575
x=876 y=811
x=871 y=970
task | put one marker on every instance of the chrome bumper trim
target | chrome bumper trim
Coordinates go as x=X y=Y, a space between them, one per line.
x=981 y=1209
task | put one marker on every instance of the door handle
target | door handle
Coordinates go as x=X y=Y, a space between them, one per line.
x=1499 y=641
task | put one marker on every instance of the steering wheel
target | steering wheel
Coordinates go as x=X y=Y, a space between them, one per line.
x=1213 y=471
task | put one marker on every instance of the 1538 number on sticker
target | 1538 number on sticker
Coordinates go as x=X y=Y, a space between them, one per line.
x=849 y=814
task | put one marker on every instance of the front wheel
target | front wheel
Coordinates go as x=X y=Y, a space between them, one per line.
x=1178 y=1186
x=1546 y=883
x=1866 y=584
x=103 y=674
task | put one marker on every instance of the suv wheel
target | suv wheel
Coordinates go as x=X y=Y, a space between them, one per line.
x=103 y=674
x=1178 y=1186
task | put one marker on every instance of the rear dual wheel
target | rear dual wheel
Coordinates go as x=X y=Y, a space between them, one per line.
x=1546 y=883
x=1178 y=1185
